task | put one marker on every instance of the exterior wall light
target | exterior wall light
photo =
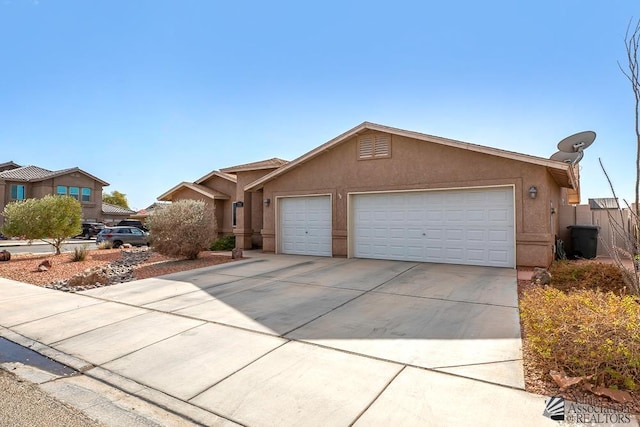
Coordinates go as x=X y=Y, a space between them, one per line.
x=533 y=191
x=267 y=202
x=239 y=204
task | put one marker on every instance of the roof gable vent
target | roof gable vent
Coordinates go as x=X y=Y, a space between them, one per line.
x=374 y=146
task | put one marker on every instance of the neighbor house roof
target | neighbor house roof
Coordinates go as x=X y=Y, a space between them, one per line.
x=604 y=203
x=109 y=209
x=205 y=191
x=561 y=172
x=10 y=163
x=35 y=173
x=262 y=164
x=217 y=173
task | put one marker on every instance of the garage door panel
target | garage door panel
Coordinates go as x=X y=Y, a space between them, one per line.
x=305 y=225
x=471 y=226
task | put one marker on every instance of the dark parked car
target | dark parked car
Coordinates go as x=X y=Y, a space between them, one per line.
x=91 y=229
x=133 y=223
x=120 y=235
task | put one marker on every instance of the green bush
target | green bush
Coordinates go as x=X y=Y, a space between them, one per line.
x=80 y=253
x=225 y=243
x=585 y=333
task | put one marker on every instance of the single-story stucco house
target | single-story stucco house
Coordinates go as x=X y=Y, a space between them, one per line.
x=387 y=193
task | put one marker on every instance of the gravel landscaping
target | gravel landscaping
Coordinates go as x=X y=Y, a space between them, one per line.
x=108 y=267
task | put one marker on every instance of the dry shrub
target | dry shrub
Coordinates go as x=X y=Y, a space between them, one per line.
x=183 y=228
x=567 y=275
x=105 y=245
x=80 y=253
x=585 y=333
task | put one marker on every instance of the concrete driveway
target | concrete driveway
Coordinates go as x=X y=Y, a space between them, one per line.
x=288 y=340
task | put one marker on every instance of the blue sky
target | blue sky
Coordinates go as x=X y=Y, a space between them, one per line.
x=146 y=94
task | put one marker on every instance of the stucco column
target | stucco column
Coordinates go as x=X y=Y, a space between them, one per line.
x=243 y=231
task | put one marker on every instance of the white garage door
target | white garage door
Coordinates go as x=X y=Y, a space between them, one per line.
x=305 y=225
x=471 y=226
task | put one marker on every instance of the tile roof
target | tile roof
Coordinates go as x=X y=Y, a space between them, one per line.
x=10 y=164
x=273 y=163
x=26 y=173
x=109 y=209
x=35 y=173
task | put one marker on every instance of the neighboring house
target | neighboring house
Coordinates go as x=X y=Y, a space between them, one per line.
x=112 y=214
x=387 y=193
x=26 y=182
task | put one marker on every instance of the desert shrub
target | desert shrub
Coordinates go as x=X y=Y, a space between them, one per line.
x=585 y=333
x=105 y=245
x=183 y=228
x=80 y=253
x=567 y=275
x=225 y=243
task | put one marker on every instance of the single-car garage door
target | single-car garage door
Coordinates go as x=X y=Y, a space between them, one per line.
x=467 y=226
x=305 y=225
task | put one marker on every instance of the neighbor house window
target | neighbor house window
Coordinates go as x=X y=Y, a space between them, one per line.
x=74 y=192
x=86 y=194
x=374 y=146
x=17 y=192
x=61 y=190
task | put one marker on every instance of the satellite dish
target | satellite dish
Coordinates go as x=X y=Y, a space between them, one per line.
x=563 y=156
x=577 y=142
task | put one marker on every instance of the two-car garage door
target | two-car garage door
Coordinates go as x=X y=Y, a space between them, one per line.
x=469 y=226
x=466 y=226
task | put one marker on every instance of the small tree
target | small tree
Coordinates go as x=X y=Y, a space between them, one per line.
x=183 y=229
x=116 y=198
x=51 y=219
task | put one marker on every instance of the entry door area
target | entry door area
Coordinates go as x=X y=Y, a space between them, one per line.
x=305 y=225
x=466 y=226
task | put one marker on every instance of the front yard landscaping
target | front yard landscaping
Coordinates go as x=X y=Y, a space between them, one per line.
x=24 y=268
x=581 y=335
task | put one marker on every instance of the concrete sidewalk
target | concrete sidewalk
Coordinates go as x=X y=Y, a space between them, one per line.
x=257 y=343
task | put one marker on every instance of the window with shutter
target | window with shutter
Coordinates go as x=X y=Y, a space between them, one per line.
x=374 y=146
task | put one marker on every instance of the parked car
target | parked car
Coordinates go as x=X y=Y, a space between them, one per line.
x=91 y=229
x=120 y=235
x=133 y=223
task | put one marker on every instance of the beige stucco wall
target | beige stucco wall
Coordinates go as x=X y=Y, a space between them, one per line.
x=223 y=207
x=421 y=165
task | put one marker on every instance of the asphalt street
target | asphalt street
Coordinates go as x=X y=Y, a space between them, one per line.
x=21 y=247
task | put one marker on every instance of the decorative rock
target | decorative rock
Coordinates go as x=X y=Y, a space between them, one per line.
x=126 y=246
x=119 y=271
x=236 y=253
x=44 y=265
x=5 y=255
x=541 y=276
